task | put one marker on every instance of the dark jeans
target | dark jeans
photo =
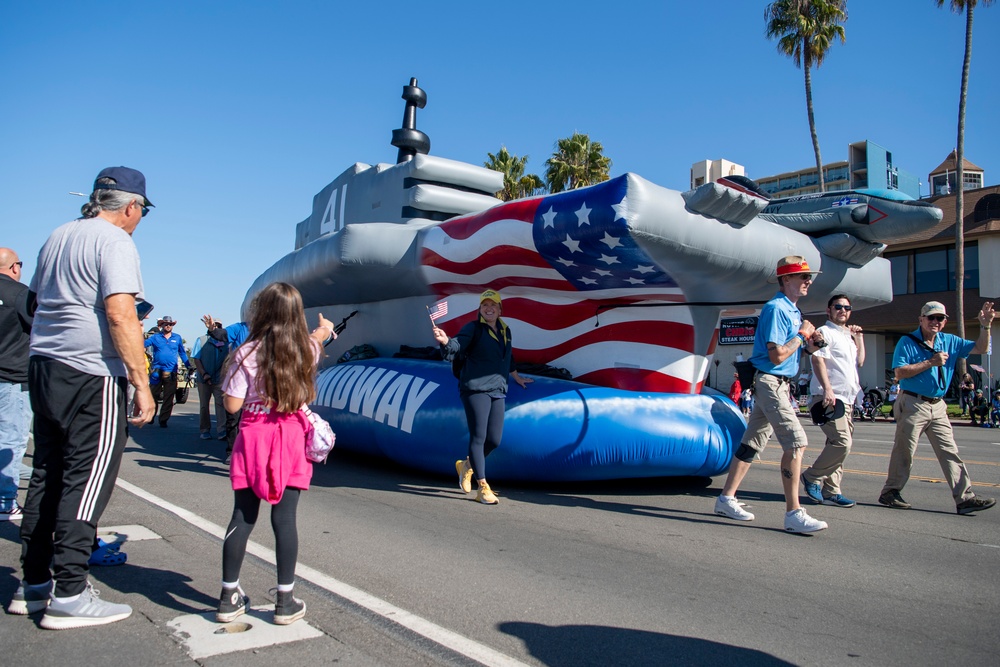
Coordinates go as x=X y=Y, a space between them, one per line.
x=164 y=394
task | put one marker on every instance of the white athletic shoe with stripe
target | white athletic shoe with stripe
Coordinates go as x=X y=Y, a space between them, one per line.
x=86 y=610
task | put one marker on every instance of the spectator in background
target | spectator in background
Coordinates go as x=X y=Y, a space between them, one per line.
x=15 y=408
x=166 y=347
x=966 y=389
x=208 y=357
x=746 y=401
x=735 y=389
x=979 y=407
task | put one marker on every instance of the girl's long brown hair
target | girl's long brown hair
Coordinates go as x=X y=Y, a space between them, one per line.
x=286 y=361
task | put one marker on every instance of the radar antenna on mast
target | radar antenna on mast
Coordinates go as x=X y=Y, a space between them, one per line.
x=408 y=139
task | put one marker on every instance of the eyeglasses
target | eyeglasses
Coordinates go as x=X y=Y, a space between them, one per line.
x=145 y=210
x=17 y=264
x=936 y=318
x=840 y=306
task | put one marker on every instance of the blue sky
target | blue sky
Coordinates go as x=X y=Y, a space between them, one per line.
x=239 y=112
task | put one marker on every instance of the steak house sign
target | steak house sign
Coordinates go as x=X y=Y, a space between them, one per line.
x=737 y=331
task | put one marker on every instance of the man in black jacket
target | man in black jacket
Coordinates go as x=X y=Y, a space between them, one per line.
x=15 y=409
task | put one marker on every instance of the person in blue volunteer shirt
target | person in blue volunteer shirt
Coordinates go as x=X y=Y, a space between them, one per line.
x=167 y=346
x=781 y=336
x=924 y=362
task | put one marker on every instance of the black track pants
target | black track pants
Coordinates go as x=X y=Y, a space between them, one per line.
x=80 y=434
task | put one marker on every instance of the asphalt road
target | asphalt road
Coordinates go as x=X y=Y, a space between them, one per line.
x=622 y=573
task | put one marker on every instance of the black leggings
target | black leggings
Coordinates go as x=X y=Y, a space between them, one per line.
x=485 y=417
x=246 y=506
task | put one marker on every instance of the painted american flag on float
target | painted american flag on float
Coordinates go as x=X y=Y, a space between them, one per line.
x=578 y=292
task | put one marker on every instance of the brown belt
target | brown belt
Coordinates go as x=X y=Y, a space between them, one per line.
x=930 y=399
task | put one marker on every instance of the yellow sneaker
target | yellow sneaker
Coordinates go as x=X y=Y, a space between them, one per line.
x=464 y=475
x=486 y=495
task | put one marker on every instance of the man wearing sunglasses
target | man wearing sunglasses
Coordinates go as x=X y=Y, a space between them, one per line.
x=15 y=410
x=924 y=362
x=86 y=345
x=835 y=380
x=781 y=336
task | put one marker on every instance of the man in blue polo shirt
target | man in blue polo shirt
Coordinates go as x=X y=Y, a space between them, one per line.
x=924 y=363
x=781 y=336
x=167 y=346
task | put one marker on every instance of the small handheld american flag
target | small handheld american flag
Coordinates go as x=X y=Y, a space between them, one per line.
x=439 y=311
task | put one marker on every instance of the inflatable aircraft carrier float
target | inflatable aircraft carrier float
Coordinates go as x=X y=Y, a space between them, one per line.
x=622 y=284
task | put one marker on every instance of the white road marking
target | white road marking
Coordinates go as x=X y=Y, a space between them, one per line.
x=436 y=633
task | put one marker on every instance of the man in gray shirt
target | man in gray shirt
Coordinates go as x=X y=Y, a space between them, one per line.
x=86 y=343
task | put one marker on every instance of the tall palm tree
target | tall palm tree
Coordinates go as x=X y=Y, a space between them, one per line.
x=805 y=29
x=959 y=6
x=576 y=163
x=516 y=184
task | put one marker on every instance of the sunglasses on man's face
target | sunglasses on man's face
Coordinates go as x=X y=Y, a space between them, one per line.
x=936 y=318
x=840 y=306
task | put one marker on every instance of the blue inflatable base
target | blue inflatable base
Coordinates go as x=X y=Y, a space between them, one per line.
x=555 y=430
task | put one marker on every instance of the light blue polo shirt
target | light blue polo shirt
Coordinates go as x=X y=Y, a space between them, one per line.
x=928 y=383
x=778 y=323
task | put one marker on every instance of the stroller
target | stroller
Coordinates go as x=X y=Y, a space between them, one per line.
x=871 y=405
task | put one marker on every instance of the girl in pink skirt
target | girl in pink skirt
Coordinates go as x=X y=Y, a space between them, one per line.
x=270 y=377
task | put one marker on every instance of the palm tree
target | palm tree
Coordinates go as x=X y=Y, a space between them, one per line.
x=805 y=29
x=959 y=6
x=576 y=163
x=516 y=184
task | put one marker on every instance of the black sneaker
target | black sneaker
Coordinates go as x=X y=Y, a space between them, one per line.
x=287 y=608
x=233 y=603
x=974 y=504
x=894 y=500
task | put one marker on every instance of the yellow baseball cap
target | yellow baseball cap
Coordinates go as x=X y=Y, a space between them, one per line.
x=491 y=295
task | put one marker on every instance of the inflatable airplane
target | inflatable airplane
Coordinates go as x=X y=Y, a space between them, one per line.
x=622 y=284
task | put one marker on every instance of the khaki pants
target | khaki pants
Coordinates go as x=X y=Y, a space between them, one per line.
x=773 y=414
x=915 y=416
x=829 y=465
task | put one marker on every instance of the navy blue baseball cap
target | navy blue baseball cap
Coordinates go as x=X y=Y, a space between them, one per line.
x=822 y=414
x=126 y=180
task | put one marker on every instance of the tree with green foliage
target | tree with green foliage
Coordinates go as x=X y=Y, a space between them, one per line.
x=576 y=163
x=805 y=29
x=516 y=184
x=959 y=6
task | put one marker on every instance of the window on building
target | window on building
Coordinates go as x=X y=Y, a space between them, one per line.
x=943 y=184
x=988 y=208
x=971 y=267
x=836 y=174
x=900 y=267
x=930 y=271
x=972 y=180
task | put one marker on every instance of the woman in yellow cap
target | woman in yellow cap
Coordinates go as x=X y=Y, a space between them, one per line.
x=482 y=385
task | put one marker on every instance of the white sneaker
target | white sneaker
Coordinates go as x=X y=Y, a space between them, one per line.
x=731 y=509
x=797 y=521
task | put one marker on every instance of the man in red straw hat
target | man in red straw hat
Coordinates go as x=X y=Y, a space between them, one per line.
x=781 y=336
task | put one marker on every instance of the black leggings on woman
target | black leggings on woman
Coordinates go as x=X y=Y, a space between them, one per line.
x=485 y=417
x=246 y=507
